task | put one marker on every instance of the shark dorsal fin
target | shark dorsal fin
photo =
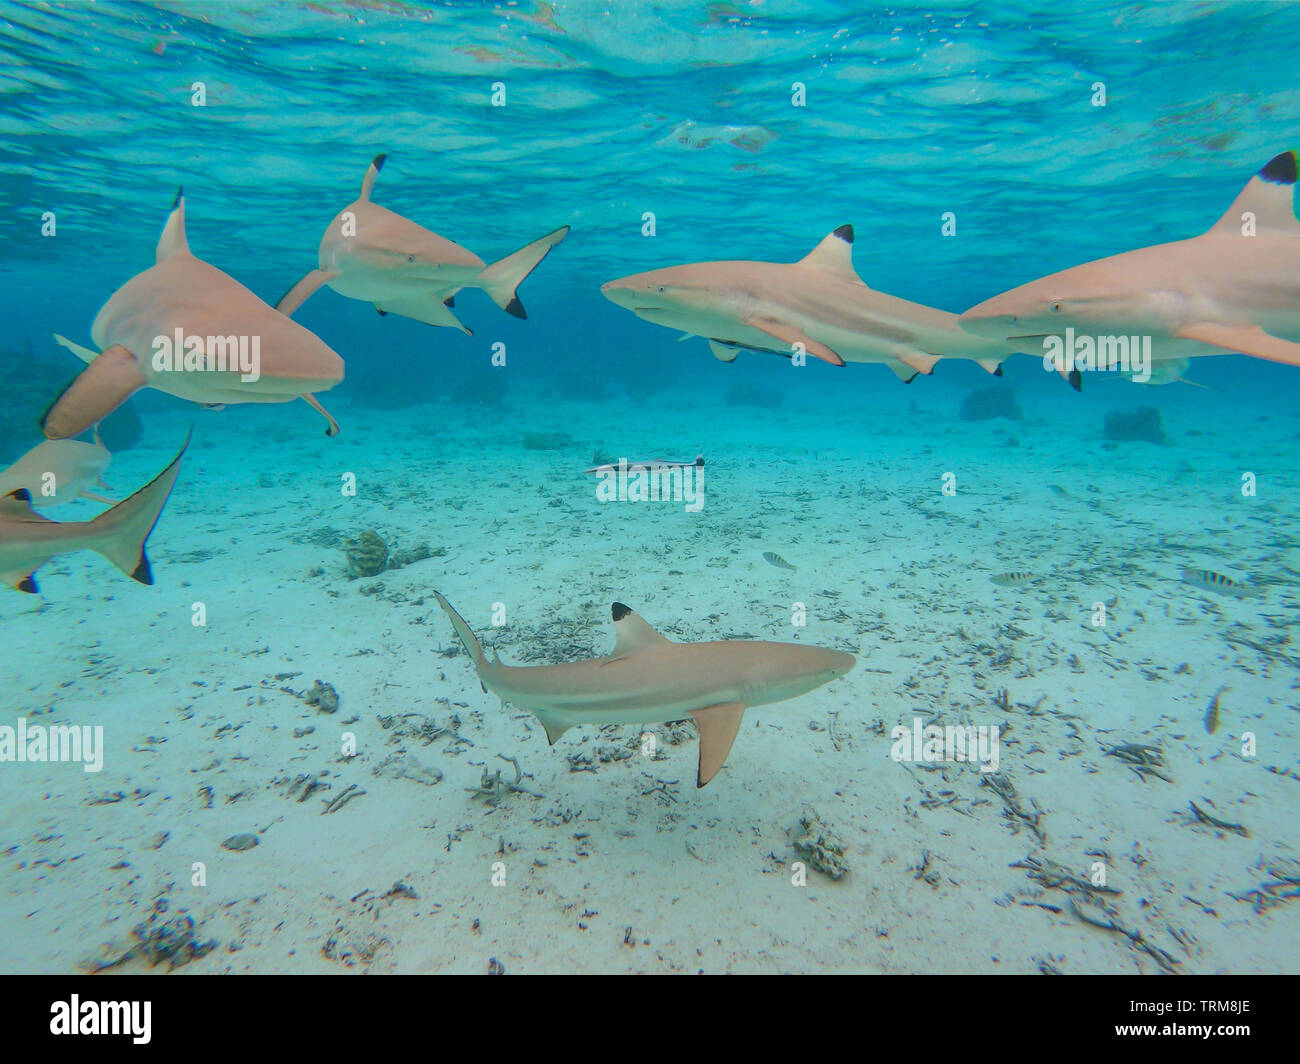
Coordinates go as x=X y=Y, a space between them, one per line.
x=17 y=501
x=173 y=239
x=372 y=172
x=834 y=255
x=17 y=506
x=1268 y=196
x=631 y=632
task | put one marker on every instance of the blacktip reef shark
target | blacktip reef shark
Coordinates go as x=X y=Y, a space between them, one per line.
x=181 y=295
x=373 y=254
x=648 y=679
x=819 y=302
x=654 y=463
x=1221 y=292
x=28 y=540
x=59 y=471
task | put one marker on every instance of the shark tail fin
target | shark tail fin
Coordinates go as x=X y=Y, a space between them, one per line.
x=121 y=533
x=502 y=279
x=468 y=639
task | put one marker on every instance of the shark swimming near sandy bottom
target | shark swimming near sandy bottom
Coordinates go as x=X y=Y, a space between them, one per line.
x=819 y=302
x=373 y=254
x=650 y=679
x=28 y=540
x=1234 y=288
x=55 y=472
x=183 y=297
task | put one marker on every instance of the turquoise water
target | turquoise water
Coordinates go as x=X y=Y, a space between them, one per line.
x=683 y=110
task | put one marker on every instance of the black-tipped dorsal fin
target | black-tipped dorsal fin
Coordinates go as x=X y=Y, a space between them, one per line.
x=17 y=501
x=173 y=239
x=1269 y=197
x=834 y=255
x=631 y=633
x=17 y=506
x=372 y=172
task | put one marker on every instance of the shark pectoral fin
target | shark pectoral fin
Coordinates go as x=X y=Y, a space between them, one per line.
x=332 y=429
x=99 y=498
x=919 y=361
x=722 y=352
x=1248 y=339
x=86 y=354
x=990 y=365
x=792 y=334
x=503 y=277
x=426 y=308
x=902 y=372
x=554 y=729
x=717 y=727
x=97 y=391
x=299 y=293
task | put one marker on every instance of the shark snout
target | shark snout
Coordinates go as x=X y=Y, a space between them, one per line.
x=619 y=292
x=841 y=663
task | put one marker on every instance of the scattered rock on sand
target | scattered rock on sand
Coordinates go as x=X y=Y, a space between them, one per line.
x=819 y=845
x=322 y=696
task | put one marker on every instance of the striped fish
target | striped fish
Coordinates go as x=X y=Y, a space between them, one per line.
x=772 y=558
x=1209 y=580
x=1013 y=579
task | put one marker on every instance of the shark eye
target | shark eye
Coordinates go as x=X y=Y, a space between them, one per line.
x=661 y=289
x=410 y=258
x=1056 y=308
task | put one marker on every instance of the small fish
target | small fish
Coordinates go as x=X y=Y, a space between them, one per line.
x=1013 y=579
x=773 y=558
x=1212 y=712
x=1216 y=582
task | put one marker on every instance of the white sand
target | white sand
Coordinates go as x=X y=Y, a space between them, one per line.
x=888 y=567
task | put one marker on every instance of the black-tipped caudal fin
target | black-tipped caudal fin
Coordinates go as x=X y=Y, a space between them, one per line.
x=502 y=279
x=120 y=534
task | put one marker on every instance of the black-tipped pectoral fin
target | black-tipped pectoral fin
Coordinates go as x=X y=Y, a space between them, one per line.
x=717 y=726
x=554 y=729
x=97 y=391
